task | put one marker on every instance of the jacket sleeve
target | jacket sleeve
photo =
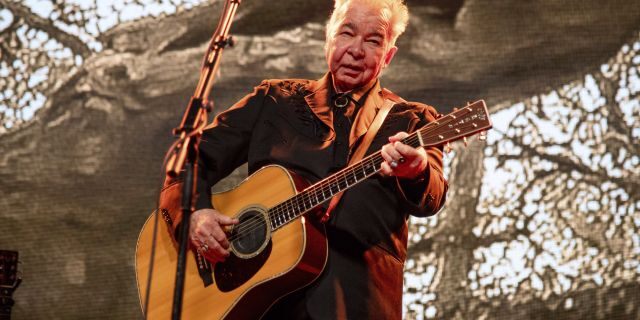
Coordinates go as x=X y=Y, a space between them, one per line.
x=223 y=147
x=426 y=194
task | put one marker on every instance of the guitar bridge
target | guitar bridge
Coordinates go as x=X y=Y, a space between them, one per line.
x=204 y=270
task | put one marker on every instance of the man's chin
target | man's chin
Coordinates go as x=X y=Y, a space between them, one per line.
x=348 y=83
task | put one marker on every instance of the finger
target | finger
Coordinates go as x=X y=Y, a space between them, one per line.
x=203 y=232
x=225 y=220
x=393 y=153
x=405 y=151
x=196 y=243
x=224 y=242
x=385 y=153
x=217 y=250
x=214 y=256
x=385 y=169
x=219 y=236
x=398 y=136
x=389 y=163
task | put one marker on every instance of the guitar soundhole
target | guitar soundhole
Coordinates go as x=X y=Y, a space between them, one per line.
x=251 y=234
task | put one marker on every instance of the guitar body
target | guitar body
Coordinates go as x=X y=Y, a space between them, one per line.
x=263 y=267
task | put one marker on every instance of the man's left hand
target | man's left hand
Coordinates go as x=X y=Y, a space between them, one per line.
x=401 y=160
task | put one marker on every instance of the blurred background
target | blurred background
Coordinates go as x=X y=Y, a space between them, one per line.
x=541 y=220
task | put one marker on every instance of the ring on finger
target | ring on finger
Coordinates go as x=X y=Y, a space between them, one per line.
x=394 y=164
x=204 y=247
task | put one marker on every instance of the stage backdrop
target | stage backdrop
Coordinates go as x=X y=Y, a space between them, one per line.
x=541 y=221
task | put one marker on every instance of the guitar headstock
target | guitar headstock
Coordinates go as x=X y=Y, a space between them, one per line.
x=459 y=124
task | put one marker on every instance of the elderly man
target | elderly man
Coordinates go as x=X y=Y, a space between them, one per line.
x=311 y=127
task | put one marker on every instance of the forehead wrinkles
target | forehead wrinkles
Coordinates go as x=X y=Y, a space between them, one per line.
x=357 y=21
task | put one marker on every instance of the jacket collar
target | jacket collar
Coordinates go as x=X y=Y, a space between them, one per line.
x=318 y=100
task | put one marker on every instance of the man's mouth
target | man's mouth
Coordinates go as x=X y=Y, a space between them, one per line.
x=354 y=67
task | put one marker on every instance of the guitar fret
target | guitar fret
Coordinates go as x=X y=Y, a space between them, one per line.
x=358 y=174
x=307 y=203
x=283 y=210
x=343 y=182
x=320 y=196
x=351 y=179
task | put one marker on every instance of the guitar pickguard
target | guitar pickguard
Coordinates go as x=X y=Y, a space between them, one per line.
x=235 y=271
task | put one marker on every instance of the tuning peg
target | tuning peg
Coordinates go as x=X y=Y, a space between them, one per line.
x=447 y=147
x=482 y=136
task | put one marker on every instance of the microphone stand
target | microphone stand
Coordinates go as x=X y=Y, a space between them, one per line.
x=184 y=159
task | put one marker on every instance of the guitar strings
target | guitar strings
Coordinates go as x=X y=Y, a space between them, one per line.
x=281 y=211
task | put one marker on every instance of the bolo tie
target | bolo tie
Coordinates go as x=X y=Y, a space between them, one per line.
x=342 y=100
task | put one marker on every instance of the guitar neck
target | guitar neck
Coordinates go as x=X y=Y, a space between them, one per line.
x=456 y=125
x=324 y=190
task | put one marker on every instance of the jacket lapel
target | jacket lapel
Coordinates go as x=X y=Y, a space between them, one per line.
x=318 y=101
x=366 y=114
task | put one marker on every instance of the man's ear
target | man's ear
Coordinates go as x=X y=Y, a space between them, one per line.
x=389 y=56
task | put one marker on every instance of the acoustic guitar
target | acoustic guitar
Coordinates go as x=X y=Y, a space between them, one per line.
x=277 y=247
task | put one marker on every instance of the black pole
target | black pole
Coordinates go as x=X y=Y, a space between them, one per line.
x=185 y=157
x=187 y=196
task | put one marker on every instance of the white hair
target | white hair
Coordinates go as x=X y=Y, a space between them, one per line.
x=394 y=12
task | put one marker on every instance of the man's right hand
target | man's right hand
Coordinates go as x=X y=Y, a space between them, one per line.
x=207 y=233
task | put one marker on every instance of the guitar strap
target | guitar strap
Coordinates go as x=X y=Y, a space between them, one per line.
x=364 y=145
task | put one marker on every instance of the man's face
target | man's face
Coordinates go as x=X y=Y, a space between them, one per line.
x=359 y=49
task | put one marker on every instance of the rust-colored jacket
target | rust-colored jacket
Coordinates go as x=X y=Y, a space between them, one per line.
x=290 y=123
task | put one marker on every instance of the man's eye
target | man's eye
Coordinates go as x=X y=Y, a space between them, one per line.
x=374 y=41
x=346 y=33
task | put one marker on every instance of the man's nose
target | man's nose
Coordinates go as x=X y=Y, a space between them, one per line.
x=356 y=48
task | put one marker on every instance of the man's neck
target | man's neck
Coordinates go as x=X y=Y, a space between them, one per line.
x=356 y=93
